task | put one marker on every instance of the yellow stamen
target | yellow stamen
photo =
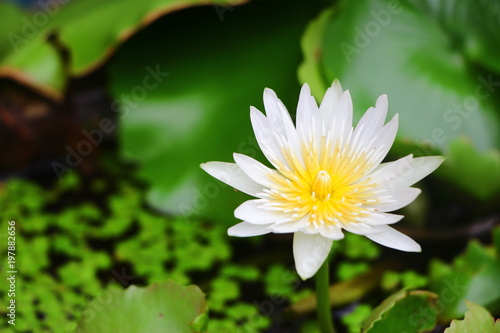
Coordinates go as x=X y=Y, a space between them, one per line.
x=322 y=185
x=325 y=185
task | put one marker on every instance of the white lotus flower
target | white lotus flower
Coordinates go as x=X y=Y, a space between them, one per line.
x=328 y=176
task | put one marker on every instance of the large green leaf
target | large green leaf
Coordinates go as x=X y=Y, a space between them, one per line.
x=200 y=111
x=477 y=319
x=83 y=33
x=398 y=48
x=38 y=65
x=92 y=37
x=406 y=311
x=10 y=16
x=165 y=307
x=473 y=25
x=473 y=276
x=25 y=54
x=467 y=165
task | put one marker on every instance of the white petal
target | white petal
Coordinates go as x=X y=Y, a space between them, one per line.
x=359 y=228
x=371 y=122
x=266 y=138
x=278 y=116
x=286 y=227
x=307 y=112
x=382 y=104
x=280 y=122
x=231 y=174
x=406 y=171
x=310 y=252
x=255 y=170
x=253 y=212
x=382 y=218
x=294 y=225
x=394 y=239
x=331 y=98
x=245 y=229
x=382 y=142
x=396 y=199
x=339 y=120
x=331 y=232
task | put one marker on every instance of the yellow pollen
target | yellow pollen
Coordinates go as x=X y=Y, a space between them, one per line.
x=327 y=187
x=322 y=185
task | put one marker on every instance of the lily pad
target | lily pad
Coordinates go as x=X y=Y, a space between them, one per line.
x=93 y=37
x=473 y=276
x=379 y=47
x=405 y=311
x=66 y=39
x=473 y=26
x=37 y=65
x=199 y=110
x=464 y=159
x=165 y=307
x=10 y=16
x=477 y=319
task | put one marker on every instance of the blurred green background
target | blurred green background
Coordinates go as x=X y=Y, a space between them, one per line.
x=107 y=108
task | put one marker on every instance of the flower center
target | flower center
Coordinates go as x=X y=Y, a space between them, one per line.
x=327 y=187
x=322 y=186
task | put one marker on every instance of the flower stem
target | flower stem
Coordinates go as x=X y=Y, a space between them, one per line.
x=323 y=300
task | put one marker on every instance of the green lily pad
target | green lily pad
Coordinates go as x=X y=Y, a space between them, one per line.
x=473 y=26
x=165 y=307
x=405 y=311
x=464 y=159
x=10 y=16
x=379 y=47
x=37 y=65
x=477 y=319
x=198 y=109
x=89 y=32
x=26 y=56
x=473 y=276
x=93 y=37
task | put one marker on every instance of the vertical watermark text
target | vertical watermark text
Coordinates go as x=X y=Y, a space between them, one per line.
x=11 y=272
